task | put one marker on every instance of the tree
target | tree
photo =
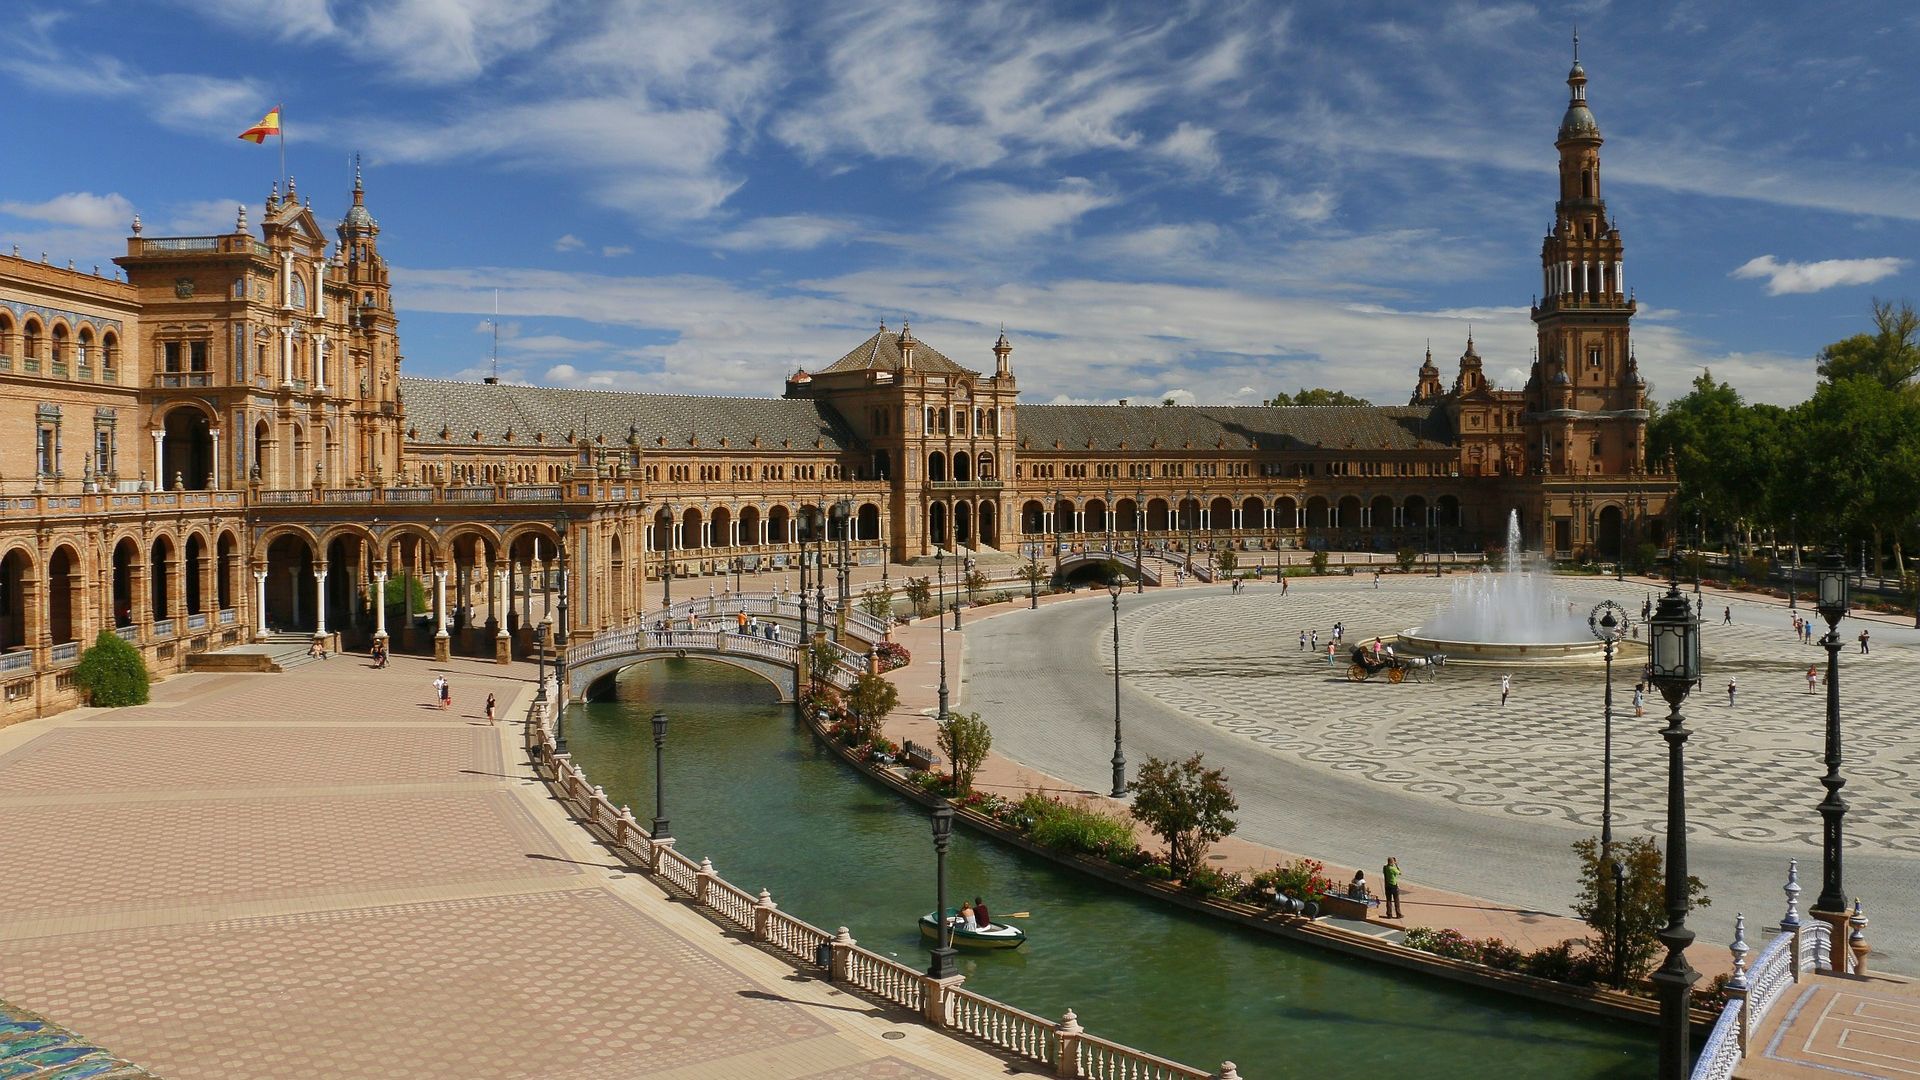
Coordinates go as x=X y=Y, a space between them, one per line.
x=1643 y=903
x=1185 y=804
x=869 y=701
x=975 y=582
x=919 y=593
x=1318 y=560
x=1854 y=449
x=1229 y=562
x=878 y=604
x=113 y=673
x=1033 y=573
x=1890 y=356
x=1729 y=455
x=965 y=739
x=1406 y=557
x=1317 y=396
x=822 y=657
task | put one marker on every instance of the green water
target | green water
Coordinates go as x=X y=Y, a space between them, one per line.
x=752 y=790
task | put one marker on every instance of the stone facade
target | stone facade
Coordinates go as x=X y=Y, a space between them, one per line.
x=222 y=446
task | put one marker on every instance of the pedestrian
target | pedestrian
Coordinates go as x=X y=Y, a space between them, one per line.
x=1812 y=677
x=1303 y=641
x=1639 y=699
x=1726 y=616
x=1796 y=628
x=740 y=622
x=1329 y=654
x=1376 y=579
x=1732 y=685
x=1506 y=687
x=1314 y=638
x=1391 y=874
x=439 y=689
x=1283 y=583
x=1863 y=643
x=446 y=693
x=490 y=706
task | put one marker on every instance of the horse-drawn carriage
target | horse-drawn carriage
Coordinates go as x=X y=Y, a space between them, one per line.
x=1365 y=665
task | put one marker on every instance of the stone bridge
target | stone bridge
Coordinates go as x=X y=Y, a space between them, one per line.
x=718 y=612
x=1149 y=569
x=591 y=666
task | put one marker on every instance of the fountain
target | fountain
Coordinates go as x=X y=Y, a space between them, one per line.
x=1514 y=616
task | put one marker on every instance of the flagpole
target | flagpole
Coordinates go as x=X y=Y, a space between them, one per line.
x=283 y=147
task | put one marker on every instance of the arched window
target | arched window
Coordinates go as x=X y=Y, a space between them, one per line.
x=1586 y=183
x=299 y=292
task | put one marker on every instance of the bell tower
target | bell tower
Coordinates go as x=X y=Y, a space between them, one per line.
x=373 y=383
x=1586 y=387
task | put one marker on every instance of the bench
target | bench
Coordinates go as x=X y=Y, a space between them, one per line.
x=918 y=757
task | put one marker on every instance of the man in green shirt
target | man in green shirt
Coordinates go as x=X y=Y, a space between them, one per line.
x=1391 y=872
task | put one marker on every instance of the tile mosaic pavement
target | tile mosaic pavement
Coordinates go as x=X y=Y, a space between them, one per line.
x=32 y=1048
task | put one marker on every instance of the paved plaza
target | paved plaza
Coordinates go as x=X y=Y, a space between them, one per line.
x=318 y=874
x=1474 y=797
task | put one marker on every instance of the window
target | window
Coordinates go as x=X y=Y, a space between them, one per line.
x=103 y=450
x=47 y=454
x=1593 y=356
x=197 y=355
x=170 y=356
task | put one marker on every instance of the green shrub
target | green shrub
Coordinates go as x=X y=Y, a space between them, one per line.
x=112 y=673
x=1302 y=879
x=1319 y=561
x=1076 y=828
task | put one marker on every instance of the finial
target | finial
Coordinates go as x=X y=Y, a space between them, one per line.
x=1739 y=949
x=291 y=197
x=1576 y=43
x=136 y=232
x=240 y=218
x=356 y=170
x=1791 y=921
x=273 y=195
x=883 y=326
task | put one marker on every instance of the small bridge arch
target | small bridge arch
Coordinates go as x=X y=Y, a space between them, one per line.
x=1081 y=560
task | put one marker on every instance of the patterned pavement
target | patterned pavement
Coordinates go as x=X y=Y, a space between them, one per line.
x=315 y=874
x=1473 y=797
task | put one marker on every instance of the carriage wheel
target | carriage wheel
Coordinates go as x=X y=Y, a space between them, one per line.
x=1397 y=675
x=1356 y=673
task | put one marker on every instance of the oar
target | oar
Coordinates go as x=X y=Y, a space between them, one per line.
x=1021 y=915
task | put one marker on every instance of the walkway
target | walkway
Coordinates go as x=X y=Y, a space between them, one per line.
x=1839 y=1026
x=316 y=873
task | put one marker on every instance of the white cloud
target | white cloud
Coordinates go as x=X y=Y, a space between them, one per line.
x=569 y=242
x=1797 y=277
x=199 y=103
x=787 y=232
x=1160 y=243
x=82 y=209
x=1191 y=144
x=427 y=41
x=614 y=251
x=992 y=214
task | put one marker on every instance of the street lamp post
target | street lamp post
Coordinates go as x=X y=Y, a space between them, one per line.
x=1114 y=588
x=1033 y=583
x=1793 y=571
x=540 y=660
x=843 y=510
x=806 y=526
x=1674 y=649
x=1699 y=554
x=560 y=646
x=1057 y=499
x=942 y=966
x=940 y=630
x=1620 y=554
x=1608 y=622
x=666 y=571
x=739 y=567
x=1834 y=586
x=1140 y=546
x=660 y=830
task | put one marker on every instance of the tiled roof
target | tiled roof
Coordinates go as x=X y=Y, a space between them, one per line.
x=881 y=352
x=461 y=408
x=1287 y=427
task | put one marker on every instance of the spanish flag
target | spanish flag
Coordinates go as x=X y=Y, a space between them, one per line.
x=268 y=125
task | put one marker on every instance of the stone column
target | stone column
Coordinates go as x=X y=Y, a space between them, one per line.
x=319 y=600
x=216 y=456
x=259 y=602
x=380 y=605
x=159 y=461
x=526 y=595
x=293 y=579
x=442 y=647
x=502 y=600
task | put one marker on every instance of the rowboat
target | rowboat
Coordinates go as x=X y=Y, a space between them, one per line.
x=995 y=936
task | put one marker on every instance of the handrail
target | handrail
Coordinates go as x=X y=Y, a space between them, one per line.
x=943 y=1003
x=1801 y=949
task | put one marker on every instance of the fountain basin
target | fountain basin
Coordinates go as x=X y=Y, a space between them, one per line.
x=1504 y=653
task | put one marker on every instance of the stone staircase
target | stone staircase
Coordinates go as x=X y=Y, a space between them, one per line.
x=272 y=652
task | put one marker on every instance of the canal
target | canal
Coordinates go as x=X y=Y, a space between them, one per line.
x=751 y=789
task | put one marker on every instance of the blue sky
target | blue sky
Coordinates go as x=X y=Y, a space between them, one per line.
x=1212 y=201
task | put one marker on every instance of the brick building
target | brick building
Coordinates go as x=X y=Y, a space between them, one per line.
x=222 y=446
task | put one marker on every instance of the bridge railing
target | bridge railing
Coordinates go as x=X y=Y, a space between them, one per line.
x=1802 y=948
x=1063 y=1046
x=785 y=606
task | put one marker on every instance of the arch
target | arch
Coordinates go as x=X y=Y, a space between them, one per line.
x=690 y=529
x=297 y=473
x=962 y=466
x=983 y=464
x=1126 y=516
x=226 y=565
x=110 y=356
x=1095 y=519
x=1253 y=513
x=595 y=680
x=1447 y=508
x=1286 y=513
x=262 y=442
x=721 y=521
x=160 y=568
x=126 y=571
x=1347 y=513
x=1063 y=516
x=963 y=535
x=1414 y=512
x=66 y=590
x=1187 y=514
x=195 y=565
x=617 y=590
x=936 y=466
x=987 y=525
x=750 y=526
x=1159 y=515
x=58 y=338
x=1220 y=513
x=1611 y=523
x=1033 y=518
x=31 y=342
x=16 y=576
x=186 y=448
x=83 y=352
x=1380 y=512
x=937 y=524
x=289 y=586
x=1319 y=513
x=867 y=523
x=662 y=530
x=779 y=524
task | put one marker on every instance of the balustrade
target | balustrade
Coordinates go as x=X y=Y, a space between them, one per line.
x=229 y=616
x=66 y=652
x=17 y=661
x=886 y=979
x=162 y=628
x=197 y=621
x=1003 y=1026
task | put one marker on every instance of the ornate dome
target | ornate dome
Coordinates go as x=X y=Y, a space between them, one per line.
x=1579 y=123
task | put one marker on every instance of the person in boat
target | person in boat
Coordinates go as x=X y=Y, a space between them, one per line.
x=980 y=913
x=965 y=922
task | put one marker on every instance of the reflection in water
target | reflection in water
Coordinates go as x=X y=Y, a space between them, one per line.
x=749 y=788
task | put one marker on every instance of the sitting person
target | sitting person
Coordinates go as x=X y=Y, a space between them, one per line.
x=980 y=918
x=966 y=918
x=1357 y=888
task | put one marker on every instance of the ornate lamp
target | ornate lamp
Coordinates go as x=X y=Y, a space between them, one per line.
x=1675 y=665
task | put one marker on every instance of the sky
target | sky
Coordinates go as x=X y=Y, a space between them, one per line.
x=1208 y=201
